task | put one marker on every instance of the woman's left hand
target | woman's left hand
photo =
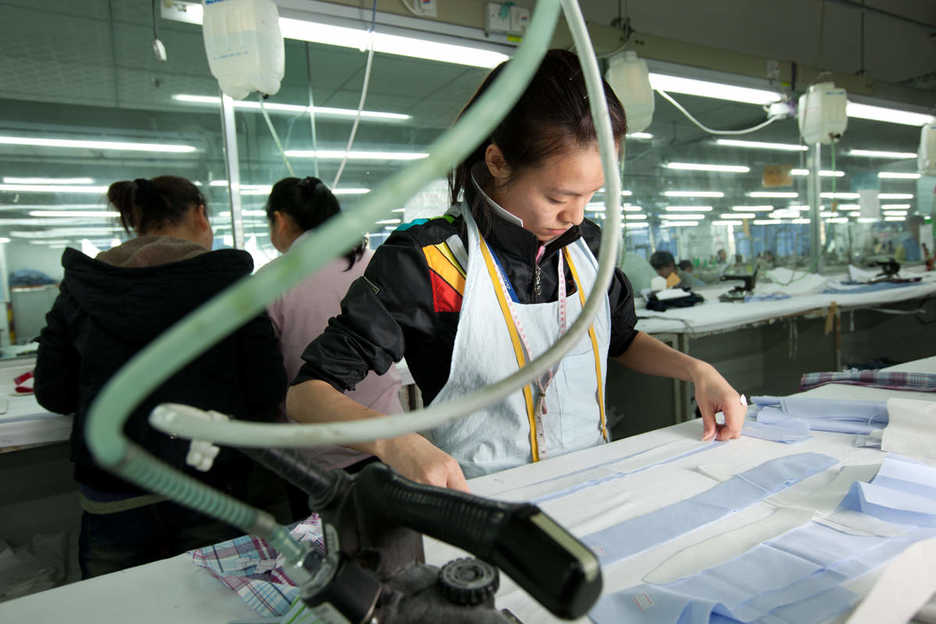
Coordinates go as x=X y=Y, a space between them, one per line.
x=713 y=394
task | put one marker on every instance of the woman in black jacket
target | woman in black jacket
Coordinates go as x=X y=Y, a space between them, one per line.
x=112 y=306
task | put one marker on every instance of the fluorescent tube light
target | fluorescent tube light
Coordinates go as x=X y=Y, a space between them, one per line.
x=889 y=115
x=387 y=43
x=355 y=155
x=716 y=90
x=680 y=166
x=636 y=226
x=839 y=195
x=801 y=221
x=881 y=154
x=4 y=239
x=822 y=174
x=687 y=215
x=631 y=208
x=390 y=228
x=727 y=222
x=763 y=208
x=895 y=207
x=640 y=136
x=679 y=223
x=15 y=180
x=786 y=213
x=693 y=194
x=893 y=175
x=867 y=220
x=74 y=213
x=388 y=222
x=780 y=194
x=688 y=209
x=895 y=195
x=836 y=220
x=786 y=147
x=253 y=213
x=51 y=243
x=828 y=213
x=738 y=215
x=635 y=217
x=275 y=107
x=895 y=218
x=124 y=146
x=358 y=38
x=53 y=188
x=767 y=221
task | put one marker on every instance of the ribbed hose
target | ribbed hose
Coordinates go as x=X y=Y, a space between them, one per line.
x=223 y=314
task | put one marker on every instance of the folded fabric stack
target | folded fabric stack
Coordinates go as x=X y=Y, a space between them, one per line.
x=918 y=382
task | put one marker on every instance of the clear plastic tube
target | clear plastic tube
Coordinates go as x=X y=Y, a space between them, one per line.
x=248 y=434
x=227 y=311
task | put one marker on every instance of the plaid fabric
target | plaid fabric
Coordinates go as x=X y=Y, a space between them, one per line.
x=253 y=569
x=919 y=382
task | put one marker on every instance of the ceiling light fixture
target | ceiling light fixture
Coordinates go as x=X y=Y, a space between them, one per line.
x=15 y=180
x=53 y=188
x=123 y=146
x=688 y=209
x=715 y=194
x=355 y=155
x=823 y=174
x=889 y=115
x=715 y=90
x=275 y=107
x=881 y=154
x=786 y=147
x=775 y=194
x=894 y=175
x=681 y=166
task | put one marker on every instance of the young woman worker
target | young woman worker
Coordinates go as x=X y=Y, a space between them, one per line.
x=494 y=282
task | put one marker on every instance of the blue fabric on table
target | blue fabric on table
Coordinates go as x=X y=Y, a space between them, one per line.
x=822 y=414
x=638 y=534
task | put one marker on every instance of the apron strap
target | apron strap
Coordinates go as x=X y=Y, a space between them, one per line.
x=517 y=346
x=594 y=342
x=458 y=251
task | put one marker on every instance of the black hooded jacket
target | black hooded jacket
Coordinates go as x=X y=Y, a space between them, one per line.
x=111 y=307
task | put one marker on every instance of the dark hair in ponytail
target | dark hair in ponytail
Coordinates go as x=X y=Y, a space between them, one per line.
x=550 y=116
x=147 y=205
x=310 y=203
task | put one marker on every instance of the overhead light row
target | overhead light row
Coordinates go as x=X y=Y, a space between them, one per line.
x=276 y=107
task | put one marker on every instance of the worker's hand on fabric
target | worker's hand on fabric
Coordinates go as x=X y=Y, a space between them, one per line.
x=416 y=458
x=713 y=394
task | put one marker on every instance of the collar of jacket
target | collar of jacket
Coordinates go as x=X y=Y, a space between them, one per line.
x=507 y=233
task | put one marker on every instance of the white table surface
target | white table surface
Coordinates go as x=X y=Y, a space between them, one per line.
x=713 y=315
x=25 y=422
x=174 y=590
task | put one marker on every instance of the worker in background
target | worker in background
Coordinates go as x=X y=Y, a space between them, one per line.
x=110 y=308
x=470 y=296
x=685 y=266
x=294 y=208
x=665 y=266
x=908 y=250
x=721 y=257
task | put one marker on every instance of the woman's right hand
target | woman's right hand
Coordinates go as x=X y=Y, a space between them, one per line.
x=416 y=458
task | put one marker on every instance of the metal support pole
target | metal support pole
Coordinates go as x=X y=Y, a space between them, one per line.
x=232 y=166
x=815 y=207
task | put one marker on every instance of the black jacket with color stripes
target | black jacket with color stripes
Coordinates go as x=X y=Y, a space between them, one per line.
x=407 y=303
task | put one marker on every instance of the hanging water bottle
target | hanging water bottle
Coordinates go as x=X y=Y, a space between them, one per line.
x=244 y=45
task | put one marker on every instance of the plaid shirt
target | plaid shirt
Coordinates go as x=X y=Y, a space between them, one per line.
x=919 y=382
x=253 y=569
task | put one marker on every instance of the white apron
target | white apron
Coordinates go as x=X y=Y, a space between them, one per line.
x=488 y=348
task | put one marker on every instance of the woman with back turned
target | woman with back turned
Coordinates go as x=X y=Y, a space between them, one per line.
x=112 y=306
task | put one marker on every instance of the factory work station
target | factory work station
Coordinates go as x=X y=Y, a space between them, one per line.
x=420 y=311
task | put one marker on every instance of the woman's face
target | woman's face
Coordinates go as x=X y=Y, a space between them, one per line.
x=551 y=197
